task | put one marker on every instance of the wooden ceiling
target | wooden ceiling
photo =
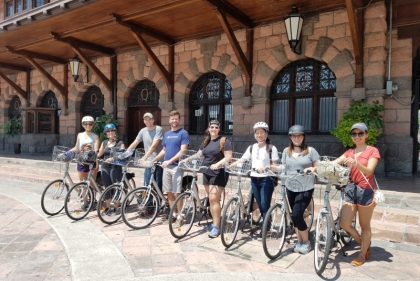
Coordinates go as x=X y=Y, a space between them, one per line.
x=92 y=27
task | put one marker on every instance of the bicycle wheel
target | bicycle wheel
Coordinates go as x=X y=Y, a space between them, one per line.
x=323 y=234
x=53 y=197
x=79 y=201
x=308 y=215
x=345 y=237
x=110 y=212
x=274 y=231
x=140 y=208
x=185 y=219
x=230 y=222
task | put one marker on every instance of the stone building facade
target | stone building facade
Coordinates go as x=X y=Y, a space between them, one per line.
x=325 y=37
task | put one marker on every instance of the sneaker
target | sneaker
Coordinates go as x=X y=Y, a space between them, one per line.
x=115 y=212
x=85 y=207
x=146 y=214
x=179 y=222
x=214 y=232
x=106 y=212
x=208 y=227
x=297 y=247
x=305 y=247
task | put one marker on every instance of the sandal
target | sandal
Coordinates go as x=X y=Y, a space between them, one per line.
x=367 y=255
x=358 y=261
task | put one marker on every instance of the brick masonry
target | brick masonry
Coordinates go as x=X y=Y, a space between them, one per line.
x=325 y=37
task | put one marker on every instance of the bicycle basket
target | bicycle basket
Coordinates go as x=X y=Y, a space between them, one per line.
x=191 y=161
x=120 y=155
x=331 y=172
x=238 y=166
x=62 y=154
x=142 y=163
x=86 y=157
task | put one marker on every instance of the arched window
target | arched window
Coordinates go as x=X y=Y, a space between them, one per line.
x=303 y=93
x=49 y=100
x=144 y=93
x=15 y=107
x=210 y=99
x=92 y=102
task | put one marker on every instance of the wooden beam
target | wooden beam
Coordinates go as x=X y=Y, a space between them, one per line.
x=158 y=9
x=232 y=11
x=16 y=87
x=243 y=62
x=39 y=56
x=249 y=57
x=92 y=66
x=171 y=70
x=356 y=25
x=358 y=3
x=63 y=90
x=160 y=68
x=84 y=44
x=144 y=29
x=14 y=67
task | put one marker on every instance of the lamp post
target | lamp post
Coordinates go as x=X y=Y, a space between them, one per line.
x=75 y=64
x=293 y=23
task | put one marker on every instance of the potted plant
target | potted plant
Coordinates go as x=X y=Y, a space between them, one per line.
x=360 y=111
x=12 y=128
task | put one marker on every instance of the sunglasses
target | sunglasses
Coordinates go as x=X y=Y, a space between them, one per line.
x=359 y=134
x=110 y=131
x=88 y=124
x=214 y=127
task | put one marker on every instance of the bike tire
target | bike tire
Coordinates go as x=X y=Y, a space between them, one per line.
x=323 y=236
x=230 y=222
x=274 y=231
x=345 y=237
x=53 y=197
x=137 y=210
x=308 y=214
x=181 y=227
x=111 y=214
x=75 y=199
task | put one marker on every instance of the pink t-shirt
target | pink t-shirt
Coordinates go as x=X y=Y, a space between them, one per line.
x=363 y=158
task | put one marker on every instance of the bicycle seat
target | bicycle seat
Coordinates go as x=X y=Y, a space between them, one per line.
x=339 y=187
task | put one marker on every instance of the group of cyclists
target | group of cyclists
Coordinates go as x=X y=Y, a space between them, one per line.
x=216 y=150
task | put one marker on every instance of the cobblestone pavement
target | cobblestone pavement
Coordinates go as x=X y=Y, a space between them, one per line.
x=34 y=246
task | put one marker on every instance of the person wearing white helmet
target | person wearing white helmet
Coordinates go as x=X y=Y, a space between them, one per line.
x=299 y=157
x=87 y=140
x=263 y=155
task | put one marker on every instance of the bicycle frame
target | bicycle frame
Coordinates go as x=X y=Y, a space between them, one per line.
x=66 y=177
x=326 y=209
x=154 y=186
x=117 y=196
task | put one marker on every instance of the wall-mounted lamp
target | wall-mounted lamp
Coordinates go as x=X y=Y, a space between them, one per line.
x=75 y=64
x=59 y=112
x=293 y=23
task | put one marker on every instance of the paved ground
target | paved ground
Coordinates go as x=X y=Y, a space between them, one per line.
x=34 y=246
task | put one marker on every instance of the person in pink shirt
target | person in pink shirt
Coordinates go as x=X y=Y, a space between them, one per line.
x=360 y=191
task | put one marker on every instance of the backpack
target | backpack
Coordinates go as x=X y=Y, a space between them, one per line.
x=275 y=180
x=222 y=144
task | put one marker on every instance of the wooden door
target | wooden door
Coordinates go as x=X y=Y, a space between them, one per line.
x=135 y=121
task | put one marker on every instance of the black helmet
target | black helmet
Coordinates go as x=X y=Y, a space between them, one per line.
x=297 y=129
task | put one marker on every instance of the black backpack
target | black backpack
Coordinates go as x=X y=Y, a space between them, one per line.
x=270 y=149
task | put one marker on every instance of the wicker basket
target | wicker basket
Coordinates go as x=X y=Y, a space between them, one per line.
x=238 y=166
x=62 y=154
x=331 y=172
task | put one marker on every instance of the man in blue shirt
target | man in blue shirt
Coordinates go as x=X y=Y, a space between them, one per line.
x=175 y=143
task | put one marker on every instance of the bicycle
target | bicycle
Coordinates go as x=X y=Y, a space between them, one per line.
x=191 y=162
x=279 y=219
x=108 y=209
x=54 y=194
x=83 y=192
x=236 y=209
x=328 y=227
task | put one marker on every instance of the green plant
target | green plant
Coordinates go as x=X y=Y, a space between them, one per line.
x=12 y=127
x=360 y=111
x=100 y=122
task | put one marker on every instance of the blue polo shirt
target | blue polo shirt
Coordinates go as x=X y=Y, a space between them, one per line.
x=172 y=141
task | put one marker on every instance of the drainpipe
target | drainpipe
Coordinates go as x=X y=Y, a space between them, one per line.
x=389 y=82
x=114 y=86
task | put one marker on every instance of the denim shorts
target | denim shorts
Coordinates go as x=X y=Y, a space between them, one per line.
x=84 y=168
x=357 y=195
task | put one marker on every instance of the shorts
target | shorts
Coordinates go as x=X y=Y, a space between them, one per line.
x=172 y=179
x=83 y=168
x=220 y=179
x=357 y=195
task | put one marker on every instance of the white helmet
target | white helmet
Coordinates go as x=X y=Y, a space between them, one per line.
x=87 y=119
x=260 y=125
